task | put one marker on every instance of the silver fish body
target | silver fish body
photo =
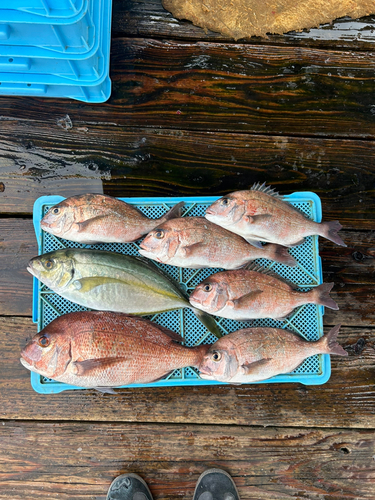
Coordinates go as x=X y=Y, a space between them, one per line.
x=109 y=281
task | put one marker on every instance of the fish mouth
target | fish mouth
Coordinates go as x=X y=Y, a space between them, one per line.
x=149 y=255
x=30 y=269
x=194 y=302
x=205 y=373
x=26 y=364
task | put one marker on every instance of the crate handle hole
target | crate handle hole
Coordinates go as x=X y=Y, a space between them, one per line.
x=10 y=60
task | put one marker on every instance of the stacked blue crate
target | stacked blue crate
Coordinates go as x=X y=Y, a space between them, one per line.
x=56 y=48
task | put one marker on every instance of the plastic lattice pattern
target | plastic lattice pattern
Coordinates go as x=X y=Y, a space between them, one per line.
x=305 y=321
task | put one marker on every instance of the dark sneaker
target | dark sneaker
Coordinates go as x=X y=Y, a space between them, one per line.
x=129 y=487
x=215 y=484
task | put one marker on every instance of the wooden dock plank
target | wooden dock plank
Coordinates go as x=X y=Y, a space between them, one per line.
x=148 y=18
x=40 y=158
x=347 y=400
x=228 y=87
x=79 y=460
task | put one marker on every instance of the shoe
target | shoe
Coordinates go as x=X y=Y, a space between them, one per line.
x=129 y=487
x=215 y=484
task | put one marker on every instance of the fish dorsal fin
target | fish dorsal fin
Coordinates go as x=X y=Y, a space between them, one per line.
x=253 y=266
x=270 y=191
x=267 y=190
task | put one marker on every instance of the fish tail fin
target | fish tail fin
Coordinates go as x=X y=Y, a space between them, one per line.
x=320 y=295
x=280 y=254
x=173 y=213
x=329 y=230
x=329 y=344
x=208 y=321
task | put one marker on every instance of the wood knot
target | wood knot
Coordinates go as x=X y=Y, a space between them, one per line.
x=358 y=256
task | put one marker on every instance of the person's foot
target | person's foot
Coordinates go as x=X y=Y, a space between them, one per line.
x=215 y=484
x=129 y=487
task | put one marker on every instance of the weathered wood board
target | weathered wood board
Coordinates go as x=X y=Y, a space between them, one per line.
x=39 y=158
x=70 y=460
x=243 y=88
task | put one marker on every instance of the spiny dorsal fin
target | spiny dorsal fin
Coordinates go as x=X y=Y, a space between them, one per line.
x=253 y=266
x=267 y=190
x=270 y=191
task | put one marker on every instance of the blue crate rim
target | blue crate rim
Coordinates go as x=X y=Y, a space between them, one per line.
x=101 y=47
x=325 y=363
x=10 y=15
x=45 y=52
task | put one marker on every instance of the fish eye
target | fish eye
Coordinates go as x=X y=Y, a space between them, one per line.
x=43 y=341
x=49 y=264
x=225 y=201
x=216 y=356
x=56 y=211
x=159 y=234
x=207 y=287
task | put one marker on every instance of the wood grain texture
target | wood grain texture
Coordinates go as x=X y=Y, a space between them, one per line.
x=265 y=464
x=148 y=18
x=227 y=87
x=39 y=158
x=347 y=400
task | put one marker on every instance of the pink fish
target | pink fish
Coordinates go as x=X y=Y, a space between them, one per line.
x=194 y=242
x=260 y=214
x=96 y=218
x=104 y=350
x=255 y=354
x=252 y=294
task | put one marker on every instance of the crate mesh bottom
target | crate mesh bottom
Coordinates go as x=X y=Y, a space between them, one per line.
x=304 y=321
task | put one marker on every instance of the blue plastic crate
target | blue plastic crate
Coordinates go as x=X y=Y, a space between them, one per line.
x=76 y=77
x=35 y=71
x=43 y=11
x=92 y=94
x=307 y=320
x=71 y=39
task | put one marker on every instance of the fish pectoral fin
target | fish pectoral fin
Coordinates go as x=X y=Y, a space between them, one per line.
x=244 y=301
x=171 y=334
x=189 y=249
x=85 y=225
x=85 y=367
x=255 y=243
x=105 y=390
x=256 y=367
x=253 y=219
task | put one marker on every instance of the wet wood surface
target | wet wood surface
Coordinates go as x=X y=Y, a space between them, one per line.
x=193 y=113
